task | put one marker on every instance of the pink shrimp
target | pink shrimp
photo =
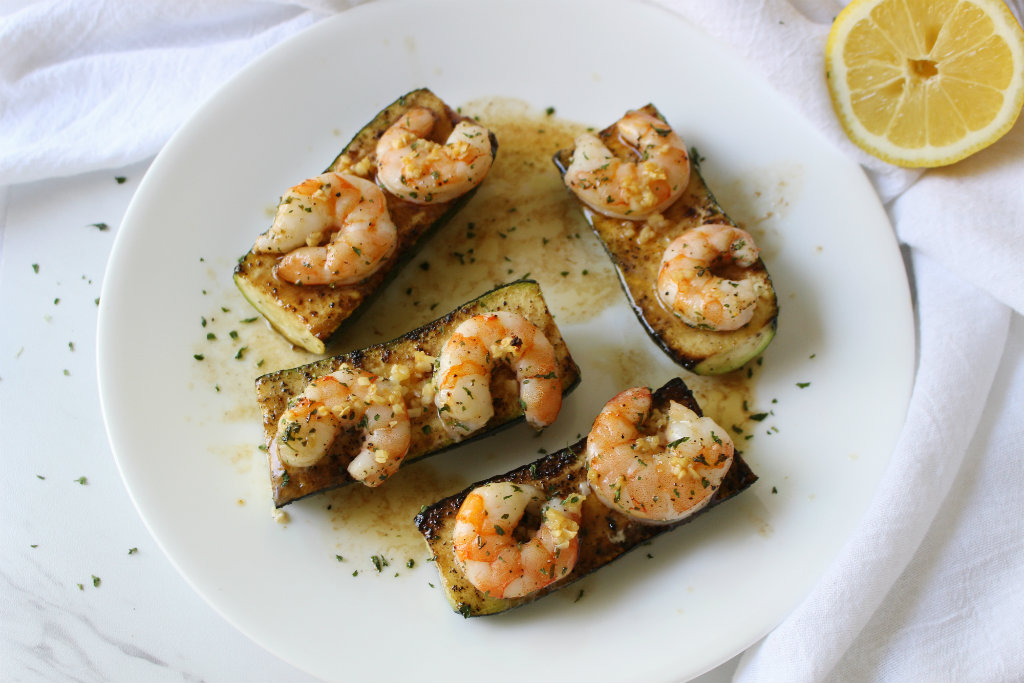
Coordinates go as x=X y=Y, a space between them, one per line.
x=463 y=375
x=655 y=473
x=498 y=560
x=690 y=288
x=630 y=189
x=347 y=399
x=424 y=172
x=333 y=229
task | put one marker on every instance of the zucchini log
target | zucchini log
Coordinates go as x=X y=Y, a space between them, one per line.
x=307 y=315
x=636 y=248
x=416 y=348
x=604 y=534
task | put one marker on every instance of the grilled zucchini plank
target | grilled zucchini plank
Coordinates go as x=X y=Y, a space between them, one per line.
x=307 y=315
x=636 y=248
x=274 y=390
x=604 y=534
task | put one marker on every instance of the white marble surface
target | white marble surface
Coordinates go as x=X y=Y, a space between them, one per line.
x=85 y=592
x=141 y=621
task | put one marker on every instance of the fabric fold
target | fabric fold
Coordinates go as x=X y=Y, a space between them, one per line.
x=969 y=216
x=957 y=364
x=785 y=42
x=89 y=86
x=954 y=613
x=103 y=85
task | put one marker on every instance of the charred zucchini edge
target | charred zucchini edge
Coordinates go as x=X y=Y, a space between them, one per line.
x=319 y=320
x=741 y=346
x=274 y=389
x=559 y=473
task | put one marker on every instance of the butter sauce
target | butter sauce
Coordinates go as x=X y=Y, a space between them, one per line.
x=521 y=223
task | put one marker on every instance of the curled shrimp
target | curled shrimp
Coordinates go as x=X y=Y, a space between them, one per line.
x=497 y=557
x=630 y=189
x=688 y=285
x=463 y=376
x=333 y=229
x=663 y=473
x=425 y=172
x=347 y=400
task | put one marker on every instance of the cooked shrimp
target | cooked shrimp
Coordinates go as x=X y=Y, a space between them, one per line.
x=424 y=172
x=463 y=374
x=688 y=285
x=630 y=189
x=347 y=399
x=334 y=229
x=501 y=562
x=657 y=475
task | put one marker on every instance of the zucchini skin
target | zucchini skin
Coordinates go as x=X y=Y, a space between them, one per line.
x=703 y=352
x=604 y=534
x=307 y=315
x=429 y=437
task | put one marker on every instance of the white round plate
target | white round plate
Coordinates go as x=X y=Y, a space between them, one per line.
x=835 y=381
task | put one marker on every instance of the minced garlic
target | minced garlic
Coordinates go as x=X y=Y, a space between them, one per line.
x=422 y=362
x=399 y=373
x=646 y=235
x=647 y=444
x=562 y=527
x=363 y=168
x=506 y=348
x=683 y=466
x=653 y=227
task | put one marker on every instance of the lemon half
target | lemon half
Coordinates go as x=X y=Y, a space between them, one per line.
x=925 y=82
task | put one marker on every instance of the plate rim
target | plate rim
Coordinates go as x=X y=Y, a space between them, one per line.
x=166 y=158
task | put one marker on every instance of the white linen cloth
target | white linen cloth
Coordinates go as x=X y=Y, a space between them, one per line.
x=931 y=585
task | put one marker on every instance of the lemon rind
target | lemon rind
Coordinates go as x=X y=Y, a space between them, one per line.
x=879 y=146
